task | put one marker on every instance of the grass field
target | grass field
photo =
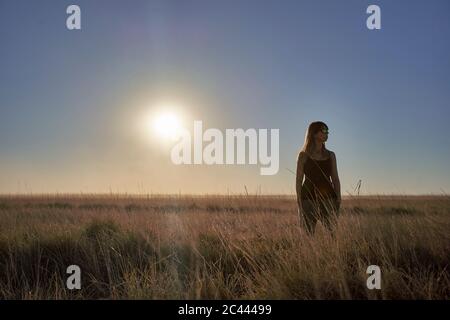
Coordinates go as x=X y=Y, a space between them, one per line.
x=221 y=247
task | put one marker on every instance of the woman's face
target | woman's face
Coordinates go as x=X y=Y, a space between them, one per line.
x=322 y=135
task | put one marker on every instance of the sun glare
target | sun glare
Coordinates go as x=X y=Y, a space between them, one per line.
x=167 y=125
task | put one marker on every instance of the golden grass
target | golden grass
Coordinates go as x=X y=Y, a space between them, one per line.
x=221 y=247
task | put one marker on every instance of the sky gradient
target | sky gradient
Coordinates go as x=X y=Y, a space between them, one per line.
x=71 y=101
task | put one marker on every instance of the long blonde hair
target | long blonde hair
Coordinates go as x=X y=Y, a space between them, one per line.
x=313 y=128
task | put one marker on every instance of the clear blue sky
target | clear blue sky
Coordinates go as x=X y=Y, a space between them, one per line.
x=68 y=99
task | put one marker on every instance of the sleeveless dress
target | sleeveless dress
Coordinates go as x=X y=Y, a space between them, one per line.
x=319 y=200
x=317 y=185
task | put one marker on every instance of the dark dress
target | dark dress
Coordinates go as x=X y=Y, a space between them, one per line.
x=318 y=198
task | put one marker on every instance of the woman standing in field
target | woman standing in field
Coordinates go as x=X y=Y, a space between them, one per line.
x=319 y=197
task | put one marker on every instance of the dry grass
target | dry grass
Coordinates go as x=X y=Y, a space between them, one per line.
x=221 y=247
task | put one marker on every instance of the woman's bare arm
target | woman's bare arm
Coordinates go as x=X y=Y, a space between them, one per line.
x=300 y=173
x=335 y=176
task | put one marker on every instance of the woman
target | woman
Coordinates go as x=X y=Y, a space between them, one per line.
x=319 y=197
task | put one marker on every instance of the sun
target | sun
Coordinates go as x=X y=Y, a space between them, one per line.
x=167 y=125
x=161 y=123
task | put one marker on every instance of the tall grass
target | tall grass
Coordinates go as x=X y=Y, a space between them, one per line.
x=221 y=247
